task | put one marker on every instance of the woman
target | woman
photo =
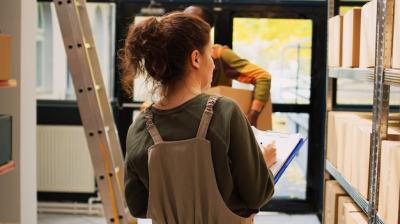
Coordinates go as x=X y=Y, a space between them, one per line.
x=191 y=157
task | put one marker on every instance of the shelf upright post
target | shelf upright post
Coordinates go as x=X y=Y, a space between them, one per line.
x=329 y=92
x=329 y=81
x=384 y=36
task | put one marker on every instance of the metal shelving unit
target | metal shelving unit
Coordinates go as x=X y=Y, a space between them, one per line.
x=392 y=76
x=383 y=78
x=357 y=197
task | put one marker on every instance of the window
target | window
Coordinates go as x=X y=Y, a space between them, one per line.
x=43 y=45
x=293 y=183
x=283 y=48
x=53 y=81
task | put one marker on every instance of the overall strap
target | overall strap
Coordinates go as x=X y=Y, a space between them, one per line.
x=206 y=118
x=151 y=128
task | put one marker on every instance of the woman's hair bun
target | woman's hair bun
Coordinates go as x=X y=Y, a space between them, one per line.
x=160 y=48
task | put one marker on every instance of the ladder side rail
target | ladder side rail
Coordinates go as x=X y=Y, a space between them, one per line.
x=112 y=132
x=83 y=83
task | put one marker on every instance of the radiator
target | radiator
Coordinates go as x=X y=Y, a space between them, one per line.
x=64 y=163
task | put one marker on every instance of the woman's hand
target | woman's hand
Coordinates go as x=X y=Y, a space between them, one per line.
x=269 y=153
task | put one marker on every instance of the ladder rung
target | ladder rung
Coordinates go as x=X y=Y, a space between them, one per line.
x=97 y=87
x=87 y=45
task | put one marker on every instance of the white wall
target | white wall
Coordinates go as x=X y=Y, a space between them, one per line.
x=18 y=188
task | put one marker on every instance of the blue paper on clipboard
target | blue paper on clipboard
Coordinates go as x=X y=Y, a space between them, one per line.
x=287 y=146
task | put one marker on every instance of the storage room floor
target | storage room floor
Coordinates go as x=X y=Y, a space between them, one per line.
x=261 y=218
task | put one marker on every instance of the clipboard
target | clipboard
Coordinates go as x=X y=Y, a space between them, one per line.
x=287 y=145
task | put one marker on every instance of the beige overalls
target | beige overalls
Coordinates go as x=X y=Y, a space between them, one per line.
x=182 y=184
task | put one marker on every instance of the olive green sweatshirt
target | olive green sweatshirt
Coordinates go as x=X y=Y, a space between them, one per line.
x=243 y=179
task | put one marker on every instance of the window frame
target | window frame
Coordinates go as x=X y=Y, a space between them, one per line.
x=313 y=201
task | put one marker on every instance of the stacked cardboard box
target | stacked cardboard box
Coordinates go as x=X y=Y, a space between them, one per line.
x=337 y=137
x=349 y=144
x=341 y=209
x=353 y=215
x=396 y=36
x=360 y=172
x=389 y=189
x=332 y=148
x=5 y=57
x=351 y=38
x=333 y=192
x=341 y=132
x=345 y=209
x=368 y=34
x=244 y=99
x=335 y=26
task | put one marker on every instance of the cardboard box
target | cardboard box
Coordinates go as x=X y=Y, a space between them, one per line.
x=396 y=36
x=389 y=193
x=394 y=185
x=341 y=119
x=348 y=149
x=336 y=138
x=352 y=147
x=358 y=150
x=5 y=57
x=355 y=218
x=361 y=167
x=384 y=180
x=341 y=203
x=5 y=139
x=354 y=174
x=331 y=151
x=368 y=34
x=244 y=99
x=349 y=133
x=348 y=209
x=341 y=133
x=335 y=25
x=332 y=193
x=351 y=38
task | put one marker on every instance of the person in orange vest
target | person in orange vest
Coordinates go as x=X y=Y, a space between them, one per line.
x=228 y=66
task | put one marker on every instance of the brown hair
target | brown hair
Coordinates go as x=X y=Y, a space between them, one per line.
x=161 y=48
